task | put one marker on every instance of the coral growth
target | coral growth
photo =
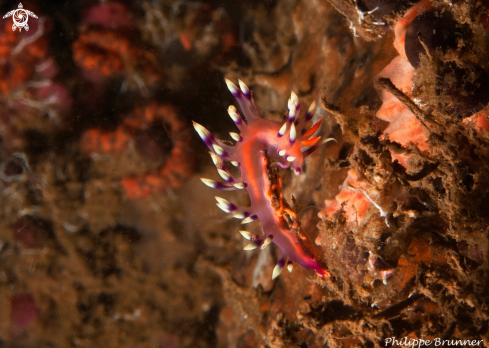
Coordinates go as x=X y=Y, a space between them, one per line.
x=353 y=195
x=404 y=127
x=135 y=130
x=27 y=82
x=190 y=34
x=405 y=260
x=106 y=47
x=22 y=54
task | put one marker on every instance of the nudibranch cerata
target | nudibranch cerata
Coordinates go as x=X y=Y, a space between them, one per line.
x=259 y=143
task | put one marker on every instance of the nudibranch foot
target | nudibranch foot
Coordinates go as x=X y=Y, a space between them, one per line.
x=260 y=146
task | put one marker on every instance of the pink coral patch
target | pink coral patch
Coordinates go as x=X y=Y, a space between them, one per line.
x=23 y=312
x=356 y=204
x=404 y=127
x=111 y=15
x=57 y=94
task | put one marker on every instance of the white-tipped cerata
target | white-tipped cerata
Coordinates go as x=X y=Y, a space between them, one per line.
x=276 y=271
x=245 y=234
x=266 y=243
x=216 y=159
x=282 y=152
x=223 y=208
x=232 y=87
x=235 y=163
x=223 y=174
x=219 y=150
x=239 y=215
x=233 y=113
x=235 y=136
x=290 y=267
x=248 y=220
x=290 y=158
x=292 y=110
x=250 y=246
x=244 y=88
x=282 y=130
x=293 y=134
x=223 y=202
x=204 y=134
x=294 y=98
x=209 y=182
x=239 y=185
x=312 y=108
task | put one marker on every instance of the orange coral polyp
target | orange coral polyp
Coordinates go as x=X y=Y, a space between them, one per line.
x=20 y=57
x=176 y=169
x=480 y=120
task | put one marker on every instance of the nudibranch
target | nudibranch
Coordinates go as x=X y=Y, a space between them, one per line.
x=259 y=142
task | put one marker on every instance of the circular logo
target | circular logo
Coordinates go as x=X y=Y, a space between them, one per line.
x=20 y=18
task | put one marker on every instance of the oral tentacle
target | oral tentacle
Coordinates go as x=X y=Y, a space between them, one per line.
x=310 y=142
x=307 y=152
x=283 y=165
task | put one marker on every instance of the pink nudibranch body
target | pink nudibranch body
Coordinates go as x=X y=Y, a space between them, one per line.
x=260 y=140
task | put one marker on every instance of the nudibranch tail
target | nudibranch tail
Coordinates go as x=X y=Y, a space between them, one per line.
x=259 y=142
